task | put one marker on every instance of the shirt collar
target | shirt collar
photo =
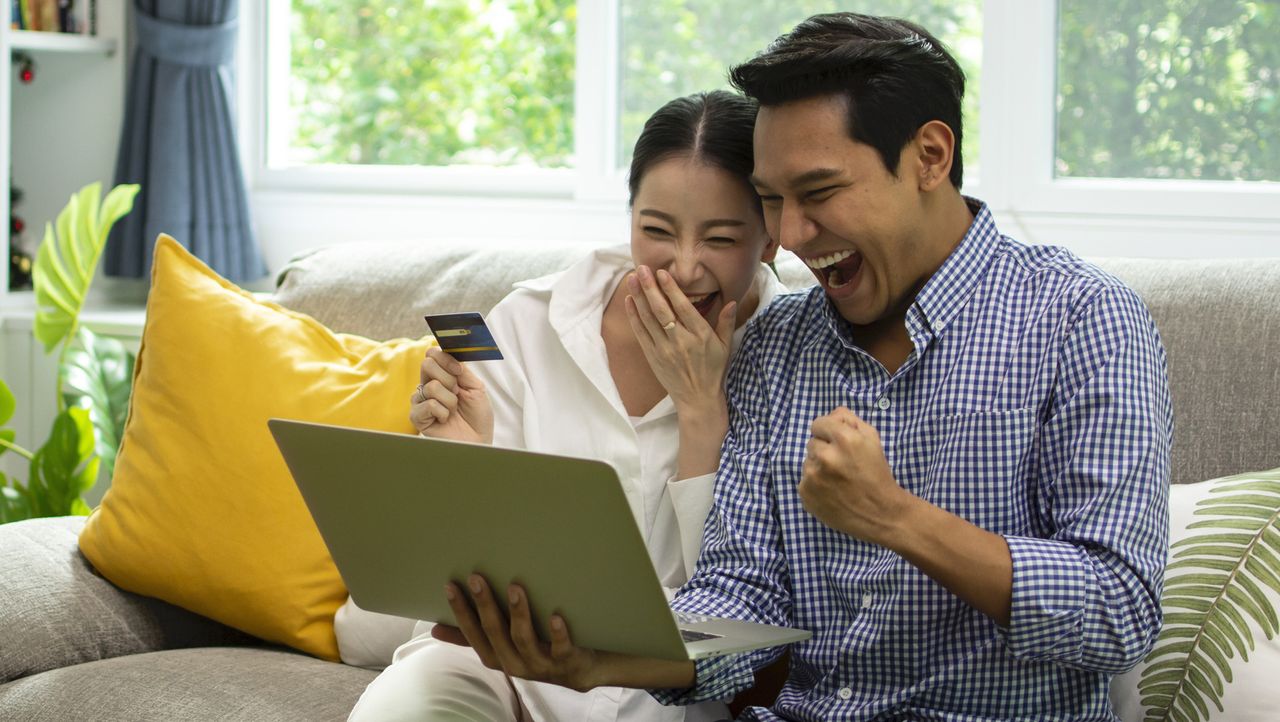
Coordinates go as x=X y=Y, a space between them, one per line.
x=949 y=289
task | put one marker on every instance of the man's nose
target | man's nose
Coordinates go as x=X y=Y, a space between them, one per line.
x=795 y=228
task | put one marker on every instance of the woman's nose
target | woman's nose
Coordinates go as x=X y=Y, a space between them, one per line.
x=685 y=267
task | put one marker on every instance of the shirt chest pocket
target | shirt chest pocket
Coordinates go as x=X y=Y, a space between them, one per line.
x=979 y=466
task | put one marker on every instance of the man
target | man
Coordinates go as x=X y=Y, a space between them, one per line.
x=949 y=461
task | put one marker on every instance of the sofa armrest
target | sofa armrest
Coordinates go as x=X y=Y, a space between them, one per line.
x=56 y=610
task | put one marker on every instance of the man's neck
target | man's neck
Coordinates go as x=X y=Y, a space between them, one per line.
x=887 y=340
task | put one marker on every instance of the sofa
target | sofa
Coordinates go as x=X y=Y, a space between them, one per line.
x=75 y=647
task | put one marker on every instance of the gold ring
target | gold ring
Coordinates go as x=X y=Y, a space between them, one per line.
x=422 y=394
x=670 y=326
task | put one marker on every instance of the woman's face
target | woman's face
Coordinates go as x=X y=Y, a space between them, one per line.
x=702 y=225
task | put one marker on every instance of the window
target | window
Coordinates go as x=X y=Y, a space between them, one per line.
x=491 y=83
x=449 y=82
x=1137 y=126
x=1182 y=89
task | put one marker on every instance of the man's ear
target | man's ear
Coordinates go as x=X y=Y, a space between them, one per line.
x=935 y=146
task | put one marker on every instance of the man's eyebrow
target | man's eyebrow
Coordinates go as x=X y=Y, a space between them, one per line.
x=805 y=178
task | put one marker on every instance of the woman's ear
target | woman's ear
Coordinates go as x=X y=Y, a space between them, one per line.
x=935 y=143
x=770 y=250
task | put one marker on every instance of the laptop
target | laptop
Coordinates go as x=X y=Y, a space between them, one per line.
x=404 y=514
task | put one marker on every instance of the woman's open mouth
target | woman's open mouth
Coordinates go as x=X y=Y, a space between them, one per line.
x=703 y=302
x=835 y=270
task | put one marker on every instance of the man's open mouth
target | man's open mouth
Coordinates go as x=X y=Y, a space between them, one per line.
x=835 y=270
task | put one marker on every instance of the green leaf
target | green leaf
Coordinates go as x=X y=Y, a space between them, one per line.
x=1192 y=603
x=1255 y=512
x=65 y=263
x=7 y=403
x=1234 y=540
x=1189 y=666
x=1246 y=524
x=1200 y=562
x=61 y=468
x=97 y=374
x=13 y=504
x=1262 y=500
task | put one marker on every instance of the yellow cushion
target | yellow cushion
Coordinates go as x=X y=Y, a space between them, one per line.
x=202 y=511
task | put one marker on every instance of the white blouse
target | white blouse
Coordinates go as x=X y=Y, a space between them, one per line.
x=553 y=393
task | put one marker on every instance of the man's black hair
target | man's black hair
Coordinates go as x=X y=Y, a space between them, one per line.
x=894 y=75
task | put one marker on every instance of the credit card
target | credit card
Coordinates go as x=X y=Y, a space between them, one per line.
x=464 y=336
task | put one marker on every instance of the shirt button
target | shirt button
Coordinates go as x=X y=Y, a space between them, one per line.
x=845 y=693
x=883 y=403
x=866 y=601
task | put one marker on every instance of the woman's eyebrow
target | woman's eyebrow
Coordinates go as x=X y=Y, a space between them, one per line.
x=722 y=222
x=703 y=225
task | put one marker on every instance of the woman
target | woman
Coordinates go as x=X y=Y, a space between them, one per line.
x=621 y=357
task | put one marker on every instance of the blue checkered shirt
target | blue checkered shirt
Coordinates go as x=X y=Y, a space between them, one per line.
x=1035 y=405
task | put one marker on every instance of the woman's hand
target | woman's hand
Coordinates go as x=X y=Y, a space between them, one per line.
x=450 y=402
x=515 y=648
x=689 y=357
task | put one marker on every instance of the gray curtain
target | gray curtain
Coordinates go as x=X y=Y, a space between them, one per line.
x=179 y=142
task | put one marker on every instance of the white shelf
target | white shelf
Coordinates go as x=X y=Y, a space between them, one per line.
x=60 y=42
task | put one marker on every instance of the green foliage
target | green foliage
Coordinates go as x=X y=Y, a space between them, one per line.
x=65 y=263
x=1209 y=605
x=1169 y=89
x=438 y=83
x=97 y=375
x=492 y=81
x=93 y=374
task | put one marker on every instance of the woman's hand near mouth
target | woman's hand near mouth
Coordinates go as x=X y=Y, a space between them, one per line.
x=689 y=358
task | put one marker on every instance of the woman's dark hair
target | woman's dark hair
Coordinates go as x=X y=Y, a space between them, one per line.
x=895 y=76
x=714 y=128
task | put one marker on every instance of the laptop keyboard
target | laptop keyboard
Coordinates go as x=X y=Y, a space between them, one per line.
x=689 y=635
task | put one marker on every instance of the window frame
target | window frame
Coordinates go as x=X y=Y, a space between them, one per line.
x=589 y=201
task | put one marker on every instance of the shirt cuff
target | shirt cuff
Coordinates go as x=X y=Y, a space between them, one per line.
x=1050 y=595
x=717 y=678
x=691 y=499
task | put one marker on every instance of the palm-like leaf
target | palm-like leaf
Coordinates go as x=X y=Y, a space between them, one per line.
x=66 y=262
x=97 y=373
x=1212 y=605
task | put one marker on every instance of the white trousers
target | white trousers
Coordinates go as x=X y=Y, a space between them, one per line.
x=434 y=680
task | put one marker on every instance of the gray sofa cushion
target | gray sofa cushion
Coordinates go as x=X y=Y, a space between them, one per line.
x=210 y=683
x=58 y=611
x=1220 y=322
x=381 y=290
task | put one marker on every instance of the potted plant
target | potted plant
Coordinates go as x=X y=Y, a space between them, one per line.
x=94 y=374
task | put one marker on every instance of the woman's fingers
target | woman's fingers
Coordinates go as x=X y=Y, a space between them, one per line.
x=679 y=303
x=652 y=325
x=436 y=391
x=727 y=322
x=656 y=298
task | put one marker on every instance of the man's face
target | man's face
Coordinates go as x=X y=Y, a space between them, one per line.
x=831 y=201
